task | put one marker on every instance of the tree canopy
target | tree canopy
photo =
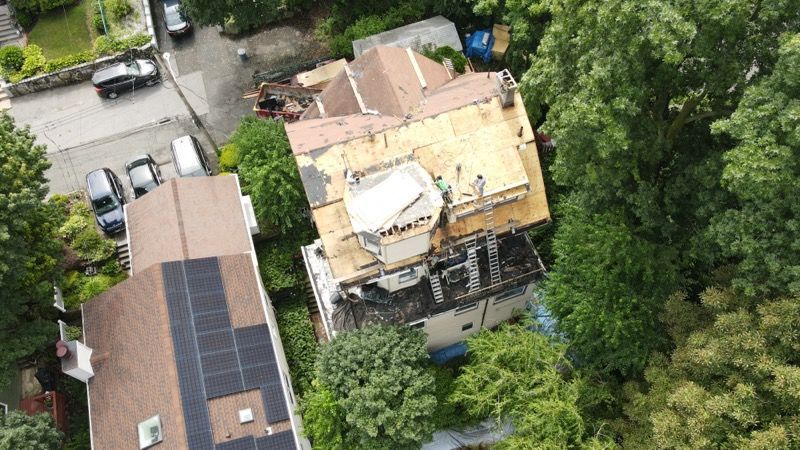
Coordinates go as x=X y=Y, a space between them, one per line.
x=29 y=249
x=520 y=374
x=631 y=89
x=246 y=13
x=380 y=380
x=269 y=173
x=18 y=431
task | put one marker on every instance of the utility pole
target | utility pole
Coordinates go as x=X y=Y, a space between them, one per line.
x=103 y=16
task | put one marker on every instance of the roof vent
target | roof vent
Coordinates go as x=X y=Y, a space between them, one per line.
x=150 y=432
x=245 y=415
x=506 y=87
x=76 y=359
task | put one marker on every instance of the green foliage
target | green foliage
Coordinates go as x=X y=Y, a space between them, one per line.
x=277 y=264
x=762 y=172
x=24 y=18
x=732 y=382
x=363 y=26
x=20 y=431
x=11 y=58
x=29 y=249
x=458 y=58
x=117 y=9
x=73 y=333
x=269 y=173
x=247 y=15
x=62 y=31
x=79 y=288
x=39 y=6
x=94 y=286
x=105 y=45
x=323 y=418
x=97 y=21
x=111 y=268
x=93 y=247
x=229 y=158
x=299 y=341
x=519 y=374
x=380 y=378
x=64 y=62
x=448 y=413
x=34 y=63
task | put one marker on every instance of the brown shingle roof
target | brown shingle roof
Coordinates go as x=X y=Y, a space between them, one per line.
x=187 y=218
x=135 y=375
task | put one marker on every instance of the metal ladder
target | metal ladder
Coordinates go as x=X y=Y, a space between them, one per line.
x=491 y=241
x=436 y=287
x=472 y=264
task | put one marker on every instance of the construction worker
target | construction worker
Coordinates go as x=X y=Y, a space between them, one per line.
x=479 y=183
x=445 y=188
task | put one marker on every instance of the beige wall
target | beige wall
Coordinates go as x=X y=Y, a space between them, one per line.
x=447 y=328
x=392 y=282
x=400 y=250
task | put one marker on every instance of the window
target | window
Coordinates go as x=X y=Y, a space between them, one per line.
x=372 y=242
x=516 y=292
x=466 y=326
x=407 y=276
x=465 y=308
x=419 y=325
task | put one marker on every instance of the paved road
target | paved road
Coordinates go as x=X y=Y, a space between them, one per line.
x=70 y=167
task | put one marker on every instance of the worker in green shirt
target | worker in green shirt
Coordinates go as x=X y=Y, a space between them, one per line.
x=444 y=187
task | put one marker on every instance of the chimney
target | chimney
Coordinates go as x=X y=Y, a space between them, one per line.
x=75 y=359
x=506 y=87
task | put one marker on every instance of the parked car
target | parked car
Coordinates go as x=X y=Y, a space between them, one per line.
x=189 y=158
x=174 y=19
x=107 y=198
x=143 y=174
x=111 y=81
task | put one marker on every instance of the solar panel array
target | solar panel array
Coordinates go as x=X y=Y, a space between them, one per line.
x=214 y=359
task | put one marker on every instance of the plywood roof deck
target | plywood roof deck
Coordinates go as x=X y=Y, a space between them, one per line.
x=483 y=138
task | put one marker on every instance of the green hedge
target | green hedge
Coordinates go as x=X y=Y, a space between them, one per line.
x=39 y=6
x=34 y=63
x=11 y=58
x=299 y=342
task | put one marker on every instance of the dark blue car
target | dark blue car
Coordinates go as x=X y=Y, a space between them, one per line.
x=107 y=198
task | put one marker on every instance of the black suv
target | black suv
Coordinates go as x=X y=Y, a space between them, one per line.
x=107 y=198
x=110 y=81
x=189 y=158
x=143 y=174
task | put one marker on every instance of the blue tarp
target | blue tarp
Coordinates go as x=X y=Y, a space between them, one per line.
x=446 y=354
x=480 y=44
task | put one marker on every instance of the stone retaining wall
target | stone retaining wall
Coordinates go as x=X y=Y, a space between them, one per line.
x=73 y=75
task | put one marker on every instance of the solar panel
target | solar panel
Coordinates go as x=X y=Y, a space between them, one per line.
x=256 y=356
x=223 y=383
x=215 y=341
x=245 y=443
x=252 y=336
x=216 y=320
x=278 y=441
x=218 y=362
x=274 y=403
x=260 y=375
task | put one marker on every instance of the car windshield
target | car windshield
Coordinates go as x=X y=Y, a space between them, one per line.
x=132 y=68
x=142 y=179
x=173 y=16
x=105 y=205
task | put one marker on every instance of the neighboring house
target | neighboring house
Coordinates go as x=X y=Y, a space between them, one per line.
x=392 y=248
x=186 y=353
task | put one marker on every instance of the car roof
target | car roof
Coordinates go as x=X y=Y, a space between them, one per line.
x=98 y=183
x=109 y=72
x=184 y=151
x=138 y=160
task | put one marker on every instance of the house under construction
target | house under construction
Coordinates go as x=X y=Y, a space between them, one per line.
x=398 y=244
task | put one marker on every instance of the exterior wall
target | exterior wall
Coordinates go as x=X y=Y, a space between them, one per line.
x=398 y=251
x=449 y=327
x=400 y=280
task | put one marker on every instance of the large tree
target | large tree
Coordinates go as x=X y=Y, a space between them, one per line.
x=732 y=382
x=19 y=431
x=631 y=88
x=380 y=379
x=246 y=13
x=269 y=172
x=761 y=232
x=515 y=373
x=29 y=249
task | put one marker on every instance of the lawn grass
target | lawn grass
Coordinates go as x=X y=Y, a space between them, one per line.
x=61 y=34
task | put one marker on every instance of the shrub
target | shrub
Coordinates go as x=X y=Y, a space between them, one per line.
x=34 y=62
x=92 y=247
x=111 y=268
x=105 y=45
x=78 y=221
x=299 y=341
x=276 y=264
x=24 y=19
x=117 y=9
x=34 y=7
x=11 y=58
x=74 y=333
x=341 y=45
x=94 y=286
x=97 y=22
x=57 y=64
x=458 y=58
x=229 y=158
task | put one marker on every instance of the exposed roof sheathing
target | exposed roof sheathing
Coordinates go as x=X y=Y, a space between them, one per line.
x=436 y=31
